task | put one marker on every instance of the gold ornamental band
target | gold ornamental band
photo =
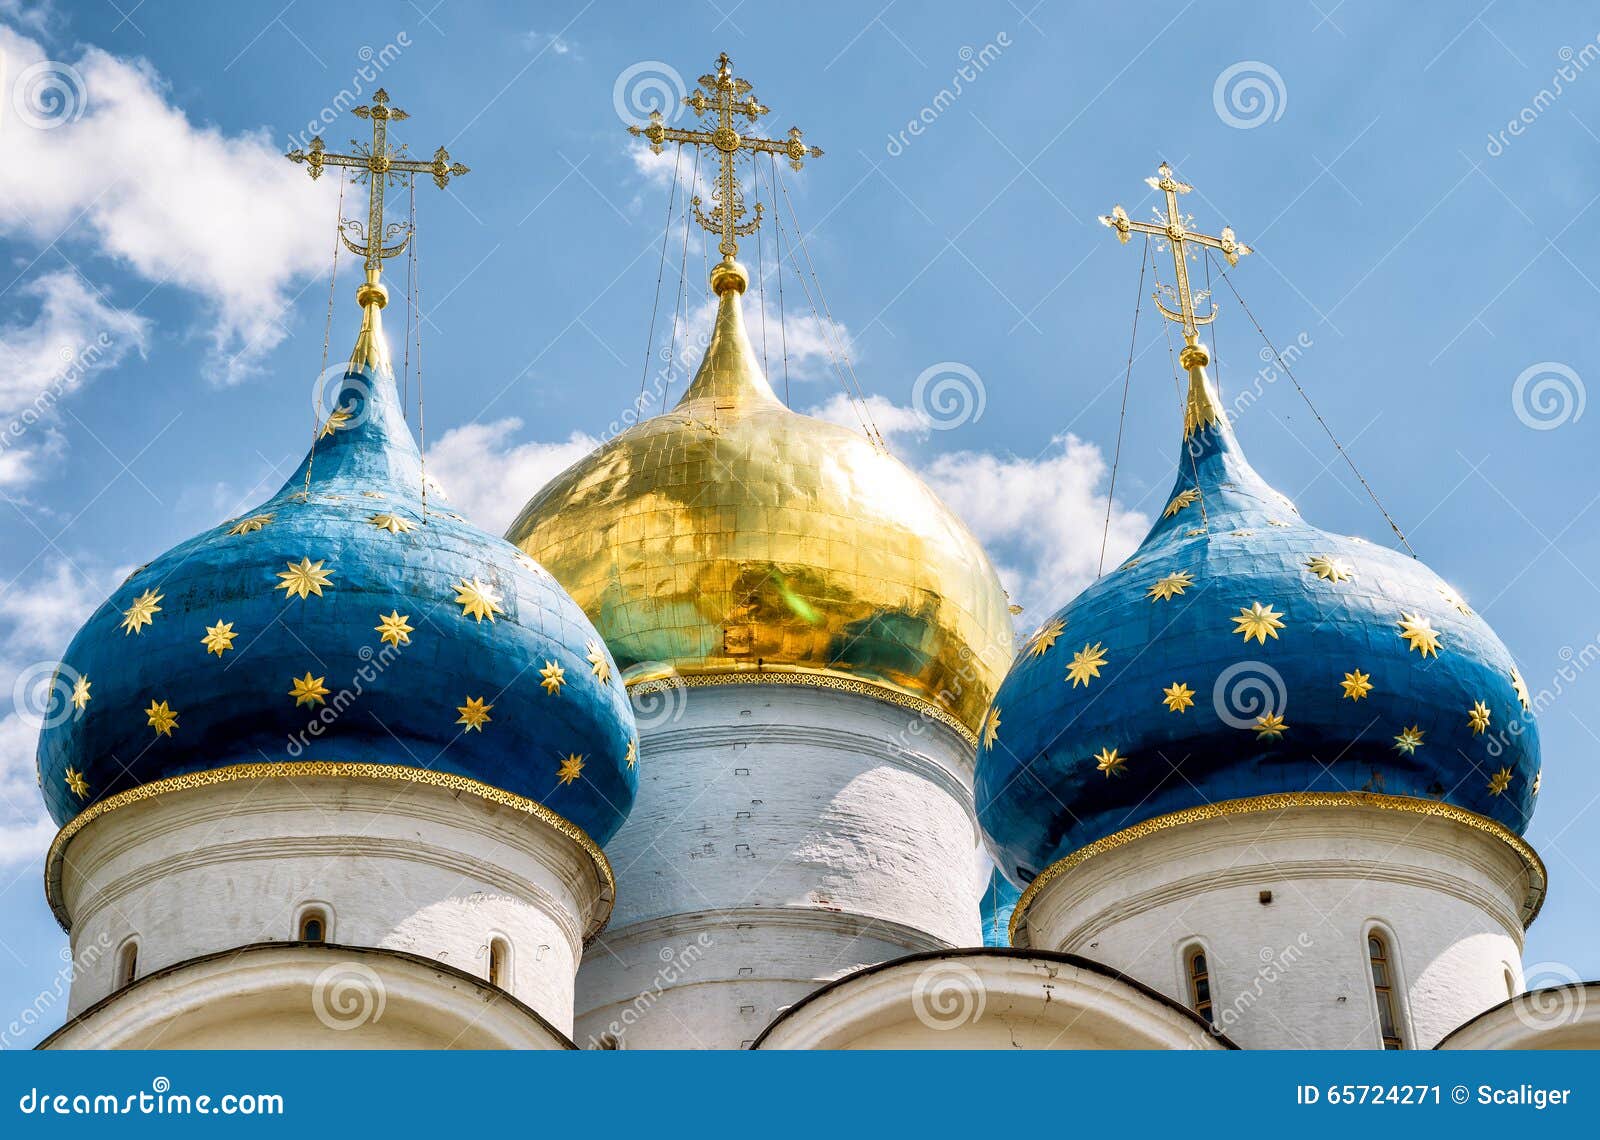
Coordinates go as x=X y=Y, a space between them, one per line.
x=1283 y=801
x=815 y=679
x=300 y=769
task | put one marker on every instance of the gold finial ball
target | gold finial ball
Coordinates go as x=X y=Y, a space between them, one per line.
x=372 y=293
x=1194 y=356
x=729 y=274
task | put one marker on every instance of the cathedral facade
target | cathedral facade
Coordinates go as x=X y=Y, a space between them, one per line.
x=729 y=743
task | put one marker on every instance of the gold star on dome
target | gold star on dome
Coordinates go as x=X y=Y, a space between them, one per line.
x=1478 y=717
x=1129 y=564
x=80 y=693
x=1272 y=726
x=1241 y=533
x=1276 y=522
x=141 y=613
x=1195 y=533
x=1110 y=762
x=308 y=690
x=1419 y=634
x=1409 y=740
x=1356 y=684
x=1499 y=782
x=394 y=524
x=1521 y=688
x=1538 y=778
x=554 y=677
x=1178 y=696
x=571 y=768
x=1170 y=586
x=1181 y=500
x=598 y=665
x=305 y=579
x=76 y=784
x=250 y=525
x=335 y=422
x=1329 y=569
x=991 y=727
x=1259 y=622
x=1044 y=637
x=474 y=714
x=394 y=628
x=477 y=600
x=1086 y=664
x=219 y=637
x=1451 y=598
x=161 y=717
x=633 y=753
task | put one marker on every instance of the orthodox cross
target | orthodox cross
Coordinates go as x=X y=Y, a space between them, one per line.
x=1172 y=227
x=380 y=167
x=729 y=97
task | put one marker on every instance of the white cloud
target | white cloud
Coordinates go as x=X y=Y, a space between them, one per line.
x=75 y=334
x=488 y=475
x=95 y=149
x=552 y=42
x=1040 y=519
x=39 y=617
x=893 y=421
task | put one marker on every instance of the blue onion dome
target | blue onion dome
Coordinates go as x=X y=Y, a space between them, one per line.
x=1243 y=652
x=347 y=619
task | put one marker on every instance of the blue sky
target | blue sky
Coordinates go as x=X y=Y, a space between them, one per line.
x=1436 y=271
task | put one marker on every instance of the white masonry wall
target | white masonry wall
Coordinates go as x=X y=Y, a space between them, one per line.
x=783 y=835
x=394 y=866
x=1294 y=972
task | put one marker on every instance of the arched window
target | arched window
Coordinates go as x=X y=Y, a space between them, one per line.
x=1511 y=983
x=1383 y=988
x=128 y=962
x=500 y=963
x=1199 y=973
x=313 y=926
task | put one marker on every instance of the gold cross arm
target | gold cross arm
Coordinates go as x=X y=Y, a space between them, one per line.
x=729 y=98
x=381 y=166
x=1171 y=226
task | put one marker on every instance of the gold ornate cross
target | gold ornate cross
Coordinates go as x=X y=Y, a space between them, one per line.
x=1172 y=227
x=728 y=96
x=380 y=167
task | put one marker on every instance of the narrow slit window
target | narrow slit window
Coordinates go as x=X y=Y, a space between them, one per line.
x=313 y=926
x=1200 y=984
x=1383 y=988
x=128 y=963
x=499 y=974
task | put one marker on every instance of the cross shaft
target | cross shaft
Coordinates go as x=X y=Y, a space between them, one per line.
x=380 y=167
x=729 y=98
x=1172 y=228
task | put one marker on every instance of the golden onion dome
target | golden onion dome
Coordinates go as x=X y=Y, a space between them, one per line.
x=734 y=540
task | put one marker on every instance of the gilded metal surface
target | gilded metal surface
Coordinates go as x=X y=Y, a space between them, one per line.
x=379 y=167
x=1285 y=801
x=732 y=535
x=1171 y=226
x=729 y=97
x=309 y=769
